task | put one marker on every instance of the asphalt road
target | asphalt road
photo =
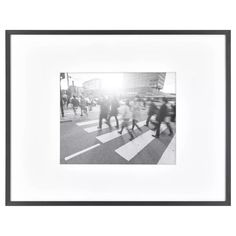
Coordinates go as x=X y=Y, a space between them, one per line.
x=82 y=143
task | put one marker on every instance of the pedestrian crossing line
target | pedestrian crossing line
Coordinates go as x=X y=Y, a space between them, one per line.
x=95 y=128
x=131 y=149
x=87 y=122
x=81 y=152
x=168 y=157
x=104 y=138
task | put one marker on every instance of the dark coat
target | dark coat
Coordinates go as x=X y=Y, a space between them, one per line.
x=75 y=102
x=114 y=108
x=104 y=108
x=152 y=109
x=163 y=112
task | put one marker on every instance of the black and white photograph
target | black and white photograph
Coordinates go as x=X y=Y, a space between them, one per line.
x=118 y=118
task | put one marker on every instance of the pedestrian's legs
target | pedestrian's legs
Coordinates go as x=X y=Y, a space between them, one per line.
x=81 y=109
x=108 y=120
x=117 y=122
x=86 y=111
x=100 y=122
x=135 y=124
x=122 y=127
x=148 y=120
x=157 y=135
x=169 y=127
x=130 y=133
x=74 y=109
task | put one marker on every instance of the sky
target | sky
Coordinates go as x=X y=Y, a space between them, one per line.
x=170 y=83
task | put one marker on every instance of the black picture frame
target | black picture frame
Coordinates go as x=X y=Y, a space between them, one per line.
x=226 y=33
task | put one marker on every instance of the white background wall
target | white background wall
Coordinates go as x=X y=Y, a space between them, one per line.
x=105 y=14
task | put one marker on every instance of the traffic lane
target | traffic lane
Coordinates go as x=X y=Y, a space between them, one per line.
x=74 y=139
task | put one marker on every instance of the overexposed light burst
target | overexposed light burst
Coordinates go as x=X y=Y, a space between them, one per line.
x=112 y=82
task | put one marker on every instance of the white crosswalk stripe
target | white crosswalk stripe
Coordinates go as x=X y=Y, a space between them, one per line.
x=168 y=157
x=104 y=138
x=87 y=122
x=131 y=149
x=95 y=128
x=84 y=123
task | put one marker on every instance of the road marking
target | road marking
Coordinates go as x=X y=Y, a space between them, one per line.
x=168 y=157
x=83 y=123
x=81 y=152
x=104 y=138
x=131 y=149
x=95 y=128
x=87 y=122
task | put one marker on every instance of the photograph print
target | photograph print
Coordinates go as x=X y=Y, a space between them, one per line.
x=118 y=118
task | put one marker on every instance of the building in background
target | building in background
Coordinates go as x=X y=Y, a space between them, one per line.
x=143 y=84
x=92 y=87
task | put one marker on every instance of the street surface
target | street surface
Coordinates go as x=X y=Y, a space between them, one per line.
x=83 y=143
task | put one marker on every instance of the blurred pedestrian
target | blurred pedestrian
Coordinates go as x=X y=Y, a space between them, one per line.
x=136 y=114
x=173 y=110
x=90 y=103
x=114 y=111
x=163 y=116
x=126 y=116
x=83 y=107
x=75 y=104
x=104 y=111
x=68 y=99
x=151 y=111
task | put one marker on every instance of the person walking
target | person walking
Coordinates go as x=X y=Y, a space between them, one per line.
x=75 y=104
x=83 y=107
x=173 y=115
x=68 y=99
x=151 y=111
x=114 y=111
x=136 y=114
x=104 y=111
x=126 y=116
x=90 y=103
x=162 y=116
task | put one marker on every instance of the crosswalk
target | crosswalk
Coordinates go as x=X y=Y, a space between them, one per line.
x=94 y=128
x=131 y=149
x=87 y=123
x=114 y=134
x=128 y=149
x=168 y=157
